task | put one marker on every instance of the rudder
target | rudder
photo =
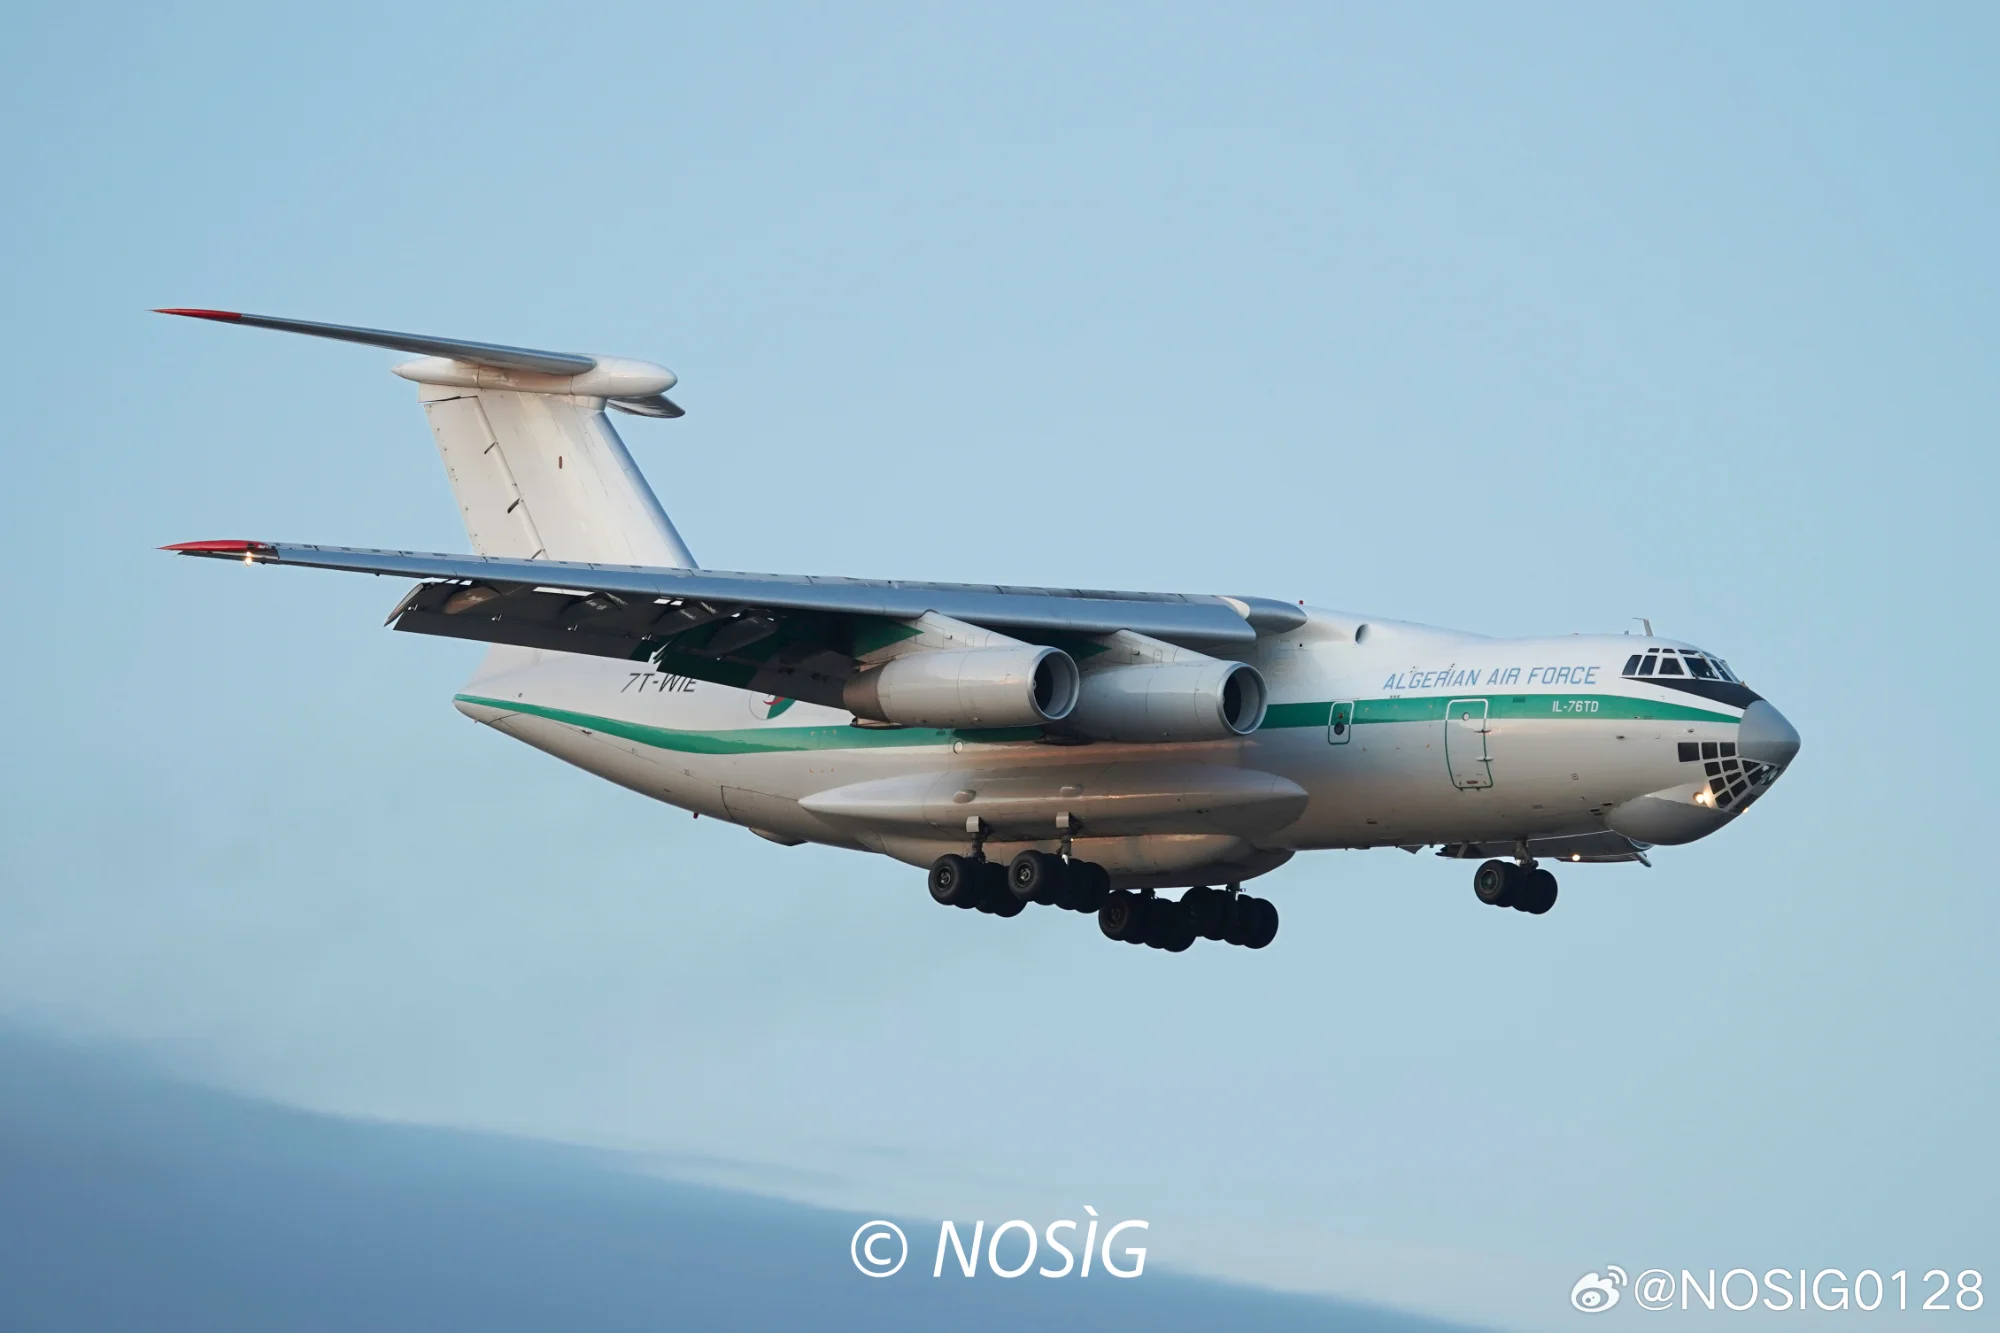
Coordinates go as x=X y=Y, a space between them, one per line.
x=545 y=476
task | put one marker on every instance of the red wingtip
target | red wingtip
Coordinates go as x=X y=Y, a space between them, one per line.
x=225 y=315
x=219 y=548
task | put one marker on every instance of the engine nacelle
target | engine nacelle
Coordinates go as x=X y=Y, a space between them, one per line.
x=1170 y=701
x=1016 y=686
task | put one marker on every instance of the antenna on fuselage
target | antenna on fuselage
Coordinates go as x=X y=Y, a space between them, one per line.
x=1647 y=623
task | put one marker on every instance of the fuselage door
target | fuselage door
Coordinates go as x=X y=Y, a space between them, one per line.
x=1465 y=754
x=1340 y=722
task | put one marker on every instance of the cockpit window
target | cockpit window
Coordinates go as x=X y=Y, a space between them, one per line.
x=1685 y=662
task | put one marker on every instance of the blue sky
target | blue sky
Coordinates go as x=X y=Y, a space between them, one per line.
x=1524 y=320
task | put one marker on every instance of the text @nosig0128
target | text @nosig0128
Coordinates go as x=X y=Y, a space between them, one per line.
x=1776 y=1289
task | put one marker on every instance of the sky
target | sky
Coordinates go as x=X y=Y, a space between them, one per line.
x=1524 y=319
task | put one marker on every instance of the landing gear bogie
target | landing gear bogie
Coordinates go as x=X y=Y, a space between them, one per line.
x=1125 y=915
x=1525 y=888
x=1031 y=877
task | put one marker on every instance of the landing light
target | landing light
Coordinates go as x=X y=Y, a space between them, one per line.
x=1576 y=856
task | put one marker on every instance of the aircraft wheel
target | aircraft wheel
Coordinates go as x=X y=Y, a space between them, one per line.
x=1175 y=931
x=994 y=895
x=1036 y=877
x=1170 y=927
x=1208 y=912
x=1237 y=918
x=1123 y=917
x=1539 y=893
x=955 y=881
x=1496 y=883
x=1263 y=927
x=1090 y=885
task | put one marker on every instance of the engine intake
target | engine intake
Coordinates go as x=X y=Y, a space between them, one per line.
x=1170 y=701
x=1018 y=686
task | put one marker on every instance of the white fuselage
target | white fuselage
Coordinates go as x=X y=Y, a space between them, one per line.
x=1378 y=734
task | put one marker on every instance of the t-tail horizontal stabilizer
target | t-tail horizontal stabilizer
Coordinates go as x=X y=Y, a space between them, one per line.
x=638 y=387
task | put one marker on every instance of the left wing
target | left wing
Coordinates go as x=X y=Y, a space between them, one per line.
x=801 y=637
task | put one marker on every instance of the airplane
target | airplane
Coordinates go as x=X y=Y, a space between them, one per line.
x=1077 y=749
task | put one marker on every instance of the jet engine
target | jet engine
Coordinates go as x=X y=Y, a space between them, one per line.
x=1202 y=700
x=1016 y=686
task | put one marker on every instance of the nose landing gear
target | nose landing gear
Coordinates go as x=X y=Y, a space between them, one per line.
x=1525 y=887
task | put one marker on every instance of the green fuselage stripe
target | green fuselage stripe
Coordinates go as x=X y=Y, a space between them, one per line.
x=788 y=740
x=757 y=740
x=1431 y=708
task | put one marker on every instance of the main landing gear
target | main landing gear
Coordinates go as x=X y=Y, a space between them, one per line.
x=1133 y=917
x=1228 y=915
x=1032 y=877
x=1524 y=887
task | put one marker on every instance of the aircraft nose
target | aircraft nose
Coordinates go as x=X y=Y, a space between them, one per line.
x=1765 y=736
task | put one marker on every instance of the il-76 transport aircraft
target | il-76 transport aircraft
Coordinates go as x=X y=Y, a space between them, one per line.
x=1083 y=750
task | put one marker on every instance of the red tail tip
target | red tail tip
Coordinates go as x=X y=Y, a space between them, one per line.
x=225 y=315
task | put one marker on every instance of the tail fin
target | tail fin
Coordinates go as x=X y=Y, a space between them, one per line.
x=544 y=476
x=537 y=469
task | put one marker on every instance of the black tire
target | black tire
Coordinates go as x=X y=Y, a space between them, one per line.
x=1540 y=893
x=1264 y=923
x=1497 y=883
x=1036 y=877
x=955 y=880
x=1208 y=912
x=994 y=896
x=1237 y=919
x=1090 y=885
x=1173 y=926
x=1123 y=918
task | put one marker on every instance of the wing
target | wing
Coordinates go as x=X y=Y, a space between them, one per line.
x=802 y=637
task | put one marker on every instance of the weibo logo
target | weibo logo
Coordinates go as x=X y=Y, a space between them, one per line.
x=1594 y=1293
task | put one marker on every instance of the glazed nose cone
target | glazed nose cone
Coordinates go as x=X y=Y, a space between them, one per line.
x=1765 y=736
